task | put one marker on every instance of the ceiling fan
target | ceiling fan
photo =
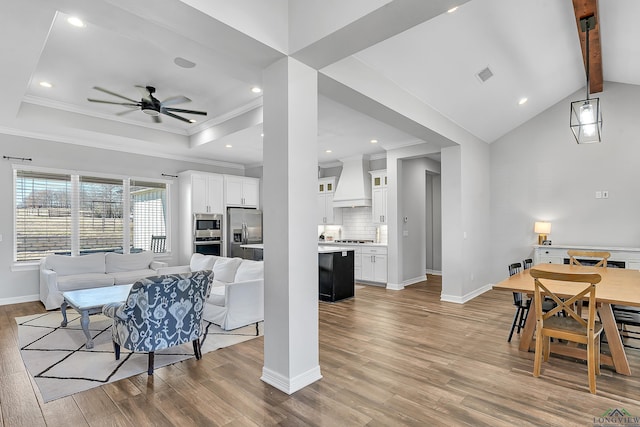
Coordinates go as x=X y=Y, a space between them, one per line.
x=150 y=104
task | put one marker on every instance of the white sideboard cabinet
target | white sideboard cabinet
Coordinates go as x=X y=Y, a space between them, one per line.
x=557 y=254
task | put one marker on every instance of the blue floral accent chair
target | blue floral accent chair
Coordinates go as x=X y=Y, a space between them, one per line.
x=161 y=312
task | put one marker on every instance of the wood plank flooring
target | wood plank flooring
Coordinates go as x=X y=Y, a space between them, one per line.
x=388 y=358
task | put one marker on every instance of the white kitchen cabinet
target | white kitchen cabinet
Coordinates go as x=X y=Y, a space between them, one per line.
x=374 y=264
x=379 y=196
x=357 y=264
x=327 y=214
x=206 y=193
x=241 y=191
x=200 y=192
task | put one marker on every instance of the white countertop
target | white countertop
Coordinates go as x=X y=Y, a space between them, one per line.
x=323 y=249
x=330 y=243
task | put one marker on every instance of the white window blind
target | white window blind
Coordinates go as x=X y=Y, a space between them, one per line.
x=43 y=214
x=148 y=205
x=100 y=220
x=75 y=214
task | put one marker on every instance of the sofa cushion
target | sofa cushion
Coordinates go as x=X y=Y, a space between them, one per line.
x=65 y=265
x=250 y=270
x=128 y=262
x=128 y=277
x=224 y=270
x=84 y=281
x=202 y=262
x=217 y=295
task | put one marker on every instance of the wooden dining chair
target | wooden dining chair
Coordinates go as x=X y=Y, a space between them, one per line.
x=571 y=327
x=521 y=303
x=527 y=263
x=573 y=254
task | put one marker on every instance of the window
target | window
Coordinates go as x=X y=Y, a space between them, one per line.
x=43 y=214
x=100 y=221
x=148 y=215
x=67 y=213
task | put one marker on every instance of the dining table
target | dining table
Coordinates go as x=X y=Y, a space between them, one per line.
x=618 y=286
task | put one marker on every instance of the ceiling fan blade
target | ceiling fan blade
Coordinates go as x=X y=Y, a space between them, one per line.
x=144 y=92
x=157 y=119
x=175 y=100
x=180 y=110
x=175 y=116
x=114 y=103
x=113 y=94
x=122 y=113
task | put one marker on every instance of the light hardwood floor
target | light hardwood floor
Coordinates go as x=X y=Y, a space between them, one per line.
x=388 y=358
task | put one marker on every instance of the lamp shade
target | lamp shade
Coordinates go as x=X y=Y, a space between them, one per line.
x=542 y=227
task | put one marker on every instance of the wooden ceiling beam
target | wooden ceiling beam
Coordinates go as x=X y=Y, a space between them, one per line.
x=582 y=9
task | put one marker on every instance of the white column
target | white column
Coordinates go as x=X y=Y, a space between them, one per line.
x=291 y=359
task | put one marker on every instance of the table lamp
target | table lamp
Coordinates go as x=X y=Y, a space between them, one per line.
x=542 y=228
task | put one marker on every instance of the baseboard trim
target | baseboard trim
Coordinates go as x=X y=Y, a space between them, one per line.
x=414 y=280
x=434 y=272
x=395 y=286
x=290 y=385
x=18 y=300
x=467 y=297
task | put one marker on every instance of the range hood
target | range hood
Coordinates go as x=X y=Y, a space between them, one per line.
x=354 y=185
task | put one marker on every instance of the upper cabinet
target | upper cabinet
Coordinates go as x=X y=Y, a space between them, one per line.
x=241 y=191
x=202 y=192
x=379 y=196
x=327 y=214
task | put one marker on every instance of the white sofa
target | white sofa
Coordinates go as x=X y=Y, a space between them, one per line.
x=237 y=295
x=60 y=273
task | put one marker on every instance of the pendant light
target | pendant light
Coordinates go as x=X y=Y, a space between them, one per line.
x=586 y=117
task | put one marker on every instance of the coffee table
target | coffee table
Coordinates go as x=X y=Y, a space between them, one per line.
x=91 y=301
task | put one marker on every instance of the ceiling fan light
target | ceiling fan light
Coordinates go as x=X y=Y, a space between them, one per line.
x=150 y=111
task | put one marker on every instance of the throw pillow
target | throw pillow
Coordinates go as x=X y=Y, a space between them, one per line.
x=202 y=262
x=128 y=262
x=250 y=270
x=225 y=269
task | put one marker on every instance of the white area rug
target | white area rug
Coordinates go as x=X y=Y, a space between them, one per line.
x=57 y=359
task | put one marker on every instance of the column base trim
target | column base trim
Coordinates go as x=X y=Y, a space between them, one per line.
x=290 y=385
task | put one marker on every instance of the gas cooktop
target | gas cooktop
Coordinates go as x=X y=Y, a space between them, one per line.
x=353 y=241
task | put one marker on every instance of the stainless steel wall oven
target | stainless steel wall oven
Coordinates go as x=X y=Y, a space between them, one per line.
x=207 y=234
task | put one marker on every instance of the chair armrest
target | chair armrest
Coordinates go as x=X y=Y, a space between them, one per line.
x=155 y=265
x=49 y=292
x=111 y=310
x=178 y=269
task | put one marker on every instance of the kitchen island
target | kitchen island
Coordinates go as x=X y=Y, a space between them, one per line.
x=336 y=280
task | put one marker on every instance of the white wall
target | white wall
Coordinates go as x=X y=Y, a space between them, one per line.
x=414 y=206
x=23 y=285
x=538 y=172
x=433 y=222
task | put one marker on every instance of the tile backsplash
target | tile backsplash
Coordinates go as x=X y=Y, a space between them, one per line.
x=357 y=225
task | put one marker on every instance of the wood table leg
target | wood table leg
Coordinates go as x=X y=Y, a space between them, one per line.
x=618 y=354
x=526 y=336
x=84 y=322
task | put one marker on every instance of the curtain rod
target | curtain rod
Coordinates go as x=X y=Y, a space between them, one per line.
x=17 y=158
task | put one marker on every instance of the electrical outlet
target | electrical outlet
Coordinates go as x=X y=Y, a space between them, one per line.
x=605 y=194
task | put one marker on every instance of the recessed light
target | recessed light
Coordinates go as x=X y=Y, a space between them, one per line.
x=262 y=134
x=453 y=9
x=46 y=84
x=192 y=120
x=523 y=101
x=228 y=146
x=76 y=22
x=374 y=141
x=256 y=89
x=328 y=151
x=184 y=63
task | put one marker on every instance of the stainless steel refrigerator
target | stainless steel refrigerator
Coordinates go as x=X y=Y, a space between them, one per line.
x=244 y=226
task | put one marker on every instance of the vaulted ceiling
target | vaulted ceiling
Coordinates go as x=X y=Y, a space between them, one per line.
x=529 y=49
